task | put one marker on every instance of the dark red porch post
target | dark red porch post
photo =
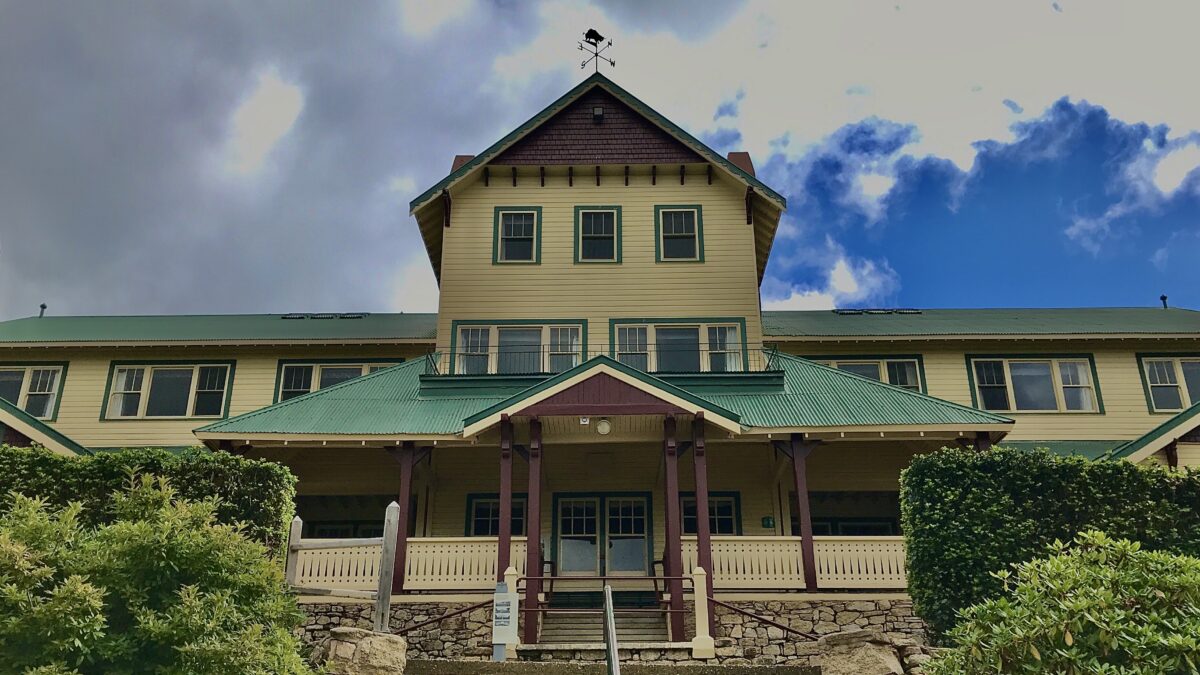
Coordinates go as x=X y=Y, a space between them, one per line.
x=983 y=441
x=404 y=455
x=674 y=549
x=800 y=450
x=504 y=552
x=1172 y=453
x=533 y=531
x=703 y=533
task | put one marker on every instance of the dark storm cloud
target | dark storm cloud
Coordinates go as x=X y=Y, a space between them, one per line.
x=113 y=116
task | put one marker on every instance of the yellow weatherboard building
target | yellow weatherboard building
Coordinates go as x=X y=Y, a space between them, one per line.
x=600 y=399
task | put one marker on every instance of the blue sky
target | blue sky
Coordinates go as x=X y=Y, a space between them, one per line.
x=195 y=157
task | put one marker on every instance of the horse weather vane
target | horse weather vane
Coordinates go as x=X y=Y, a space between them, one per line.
x=593 y=39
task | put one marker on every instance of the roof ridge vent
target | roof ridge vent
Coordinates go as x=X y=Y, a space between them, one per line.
x=323 y=315
x=294 y=315
x=352 y=315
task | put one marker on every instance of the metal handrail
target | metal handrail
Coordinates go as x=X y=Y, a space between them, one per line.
x=610 y=634
x=739 y=610
x=443 y=617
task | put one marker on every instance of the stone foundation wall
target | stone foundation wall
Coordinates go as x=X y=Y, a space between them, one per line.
x=464 y=637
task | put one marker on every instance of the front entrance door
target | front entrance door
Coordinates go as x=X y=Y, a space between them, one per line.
x=604 y=535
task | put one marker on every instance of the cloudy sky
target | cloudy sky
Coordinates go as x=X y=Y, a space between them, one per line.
x=259 y=157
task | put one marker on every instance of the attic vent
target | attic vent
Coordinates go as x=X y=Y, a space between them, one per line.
x=598 y=114
x=878 y=311
x=875 y=311
x=847 y=312
x=908 y=311
x=352 y=315
x=323 y=316
x=294 y=316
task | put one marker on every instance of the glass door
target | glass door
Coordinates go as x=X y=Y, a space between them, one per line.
x=626 y=535
x=579 y=537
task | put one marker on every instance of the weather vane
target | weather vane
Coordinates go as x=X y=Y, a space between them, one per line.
x=592 y=38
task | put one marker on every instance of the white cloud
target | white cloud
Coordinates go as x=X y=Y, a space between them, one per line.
x=404 y=186
x=421 y=18
x=261 y=121
x=1174 y=166
x=414 y=288
x=847 y=281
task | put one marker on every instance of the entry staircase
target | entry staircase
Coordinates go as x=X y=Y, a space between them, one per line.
x=571 y=625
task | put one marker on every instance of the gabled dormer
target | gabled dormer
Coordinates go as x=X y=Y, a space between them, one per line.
x=599 y=227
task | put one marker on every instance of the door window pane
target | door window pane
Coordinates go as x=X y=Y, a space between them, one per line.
x=632 y=347
x=678 y=350
x=10 y=385
x=520 y=350
x=993 y=388
x=516 y=236
x=210 y=391
x=724 y=351
x=331 y=375
x=597 y=235
x=626 y=535
x=578 y=536
x=564 y=348
x=473 y=351
x=868 y=370
x=1033 y=385
x=679 y=235
x=170 y=389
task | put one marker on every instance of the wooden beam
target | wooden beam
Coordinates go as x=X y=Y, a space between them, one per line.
x=626 y=175
x=710 y=174
x=654 y=174
x=542 y=175
x=597 y=175
x=504 y=550
x=682 y=174
x=1172 y=452
x=703 y=531
x=514 y=175
x=533 y=530
x=446 y=203
x=749 y=205
x=800 y=450
x=405 y=455
x=983 y=441
x=672 y=555
x=570 y=176
x=487 y=175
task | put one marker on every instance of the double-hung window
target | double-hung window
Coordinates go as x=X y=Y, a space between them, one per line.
x=168 y=390
x=903 y=373
x=483 y=517
x=1035 y=384
x=681 y=347
x=1173 y=382
x=680 y=233
x=598 y=234
x=518 y=236
x=298 y=379
x=33 y=389
x=723 y=515
x=522 y=349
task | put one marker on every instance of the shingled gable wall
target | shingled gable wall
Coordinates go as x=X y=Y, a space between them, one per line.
x=573 y=137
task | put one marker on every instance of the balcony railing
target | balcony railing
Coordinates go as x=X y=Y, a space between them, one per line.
x=546 y=361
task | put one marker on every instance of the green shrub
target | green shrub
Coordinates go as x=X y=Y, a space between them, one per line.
x=1103 y=606
x=163 y=588
x=258 y=493
x=967 y=514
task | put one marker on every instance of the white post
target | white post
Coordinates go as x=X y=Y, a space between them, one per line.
x=703 y=645
x=387 y=561
x=293 y=553
x=510 y=580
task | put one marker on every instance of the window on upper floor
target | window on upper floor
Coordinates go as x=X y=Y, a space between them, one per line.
x=1172 y=381
x=298 y=379
x=680 y=347
x=1035 y=384
x=724 y=517
x=168 y=390
x=680 y=233
x=899 y=372
x=518 y=349
x=518 y=236
x=598 y=234
x=32 y=388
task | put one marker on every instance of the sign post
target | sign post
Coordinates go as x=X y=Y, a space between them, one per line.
x=504 y=620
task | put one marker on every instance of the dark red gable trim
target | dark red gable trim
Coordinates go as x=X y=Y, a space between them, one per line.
x=15 y=438
x=602 y=394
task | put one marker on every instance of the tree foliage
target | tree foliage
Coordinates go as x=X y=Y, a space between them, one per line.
x=1102 y=606
x=161 y=588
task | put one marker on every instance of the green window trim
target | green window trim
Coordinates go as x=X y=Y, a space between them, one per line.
x=457 y=324
x=602 y=527
x=324 y=362
x=883 y=359
x=62 y=381
x=1090 y=358
x=734 y=495
x=658 y=210
x=473 y=497
x=1141 y=364
x=579 y=235
x=112 y=370
x=537 y=234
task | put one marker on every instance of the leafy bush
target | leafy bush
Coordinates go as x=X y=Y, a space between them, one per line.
x=1104 y=606
x=967 y=514
x=163 y=588
x=258 y=493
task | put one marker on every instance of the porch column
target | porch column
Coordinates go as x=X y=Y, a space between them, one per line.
x=1172 y=453
x=504 y=550
x=703 y=535
x=533 y=532
x=404 y=455
x=672 y=555
x=983 y=441
x=800 y=451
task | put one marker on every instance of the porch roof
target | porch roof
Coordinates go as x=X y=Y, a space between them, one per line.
x=389 y=404
x=37 y=431
x=1161 y=436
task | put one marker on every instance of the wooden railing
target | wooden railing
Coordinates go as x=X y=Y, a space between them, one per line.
x=442 y=564
x=774 y=563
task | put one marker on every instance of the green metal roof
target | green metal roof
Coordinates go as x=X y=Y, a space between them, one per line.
x=1177 y=425
x=330 y=327
x=818 y=396
x=1090 y=449
x=934 y=322
x=8 y=410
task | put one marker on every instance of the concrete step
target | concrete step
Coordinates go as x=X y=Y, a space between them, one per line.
x=589 y=628
x=419 y=667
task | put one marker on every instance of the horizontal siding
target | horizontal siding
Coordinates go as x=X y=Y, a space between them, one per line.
x=82 y=394
x=1125 y=411
x=725 y=284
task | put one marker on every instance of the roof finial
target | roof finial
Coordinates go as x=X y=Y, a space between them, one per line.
x=592 y=38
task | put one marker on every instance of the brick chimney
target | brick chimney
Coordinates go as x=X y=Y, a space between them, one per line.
x=459 y=160
x=742 y=161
